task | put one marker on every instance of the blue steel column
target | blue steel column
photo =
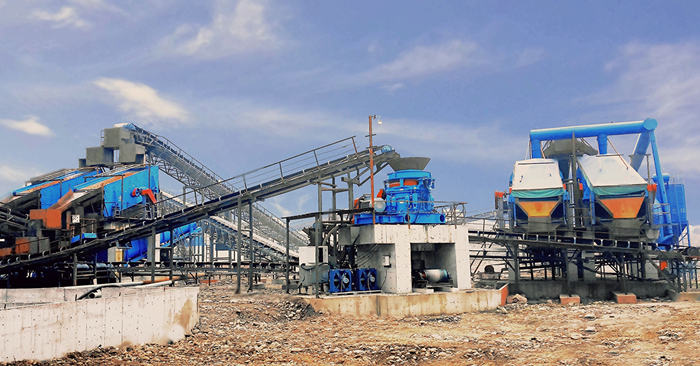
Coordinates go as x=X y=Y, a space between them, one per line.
x=640 y=150
x=536 y=148
x=602 y=144
x=596 y=130
x=662 y=187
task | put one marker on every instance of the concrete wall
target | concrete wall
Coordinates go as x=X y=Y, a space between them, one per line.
x=370 y=256
x=13 y=297
x=122 y=316
x=403 y=305
x=599 y=289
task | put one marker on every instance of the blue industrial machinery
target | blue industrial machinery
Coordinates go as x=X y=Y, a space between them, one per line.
x=365 y=279
x=339 y=280
x=677 y=206
x=595 y=216
x=537 y=199
x=406 y=196
x=50 y=192
x=616 y=198
x=75 y=206
x=668 y=205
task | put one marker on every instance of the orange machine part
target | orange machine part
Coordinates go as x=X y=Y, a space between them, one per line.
x=22 y=245
x=623 y=208
x=144 y=192
x=4 y=252
x=63 y=202
x=108 y=181
x=538 y=208
x=410 y=182
x=51 y=218
x=499 y=194
x=663 y=265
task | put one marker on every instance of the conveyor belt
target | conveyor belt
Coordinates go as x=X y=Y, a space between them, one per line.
x=251 y=193
x=269 y=247
x=189 y=171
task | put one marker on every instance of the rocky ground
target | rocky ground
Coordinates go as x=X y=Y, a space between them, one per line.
x=269 y=328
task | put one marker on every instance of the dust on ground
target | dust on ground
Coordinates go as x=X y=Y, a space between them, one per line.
x=274 y=328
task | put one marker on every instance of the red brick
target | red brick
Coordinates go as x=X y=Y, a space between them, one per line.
x=504 y=294
x=569 y=299
x=625 y=298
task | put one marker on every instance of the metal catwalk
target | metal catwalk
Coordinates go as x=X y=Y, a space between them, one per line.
x=193 y=174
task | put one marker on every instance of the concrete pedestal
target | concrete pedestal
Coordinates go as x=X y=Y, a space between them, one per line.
x=388 y=248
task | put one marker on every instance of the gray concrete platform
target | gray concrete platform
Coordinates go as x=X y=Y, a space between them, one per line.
x=404 y=305
x=597 y=290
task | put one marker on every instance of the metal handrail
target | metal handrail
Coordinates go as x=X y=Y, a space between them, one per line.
x=152 y=139
x=279 y=171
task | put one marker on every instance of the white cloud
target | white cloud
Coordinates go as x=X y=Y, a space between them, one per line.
x=65 y=17
x=30 y=125
x=9 y=174
x=529 y=56
x=426 y=60
x=465 y=142
x=142 y=101
x=276 y=204
x=100 y=5
x=274 y=120
x=661 y=81
x=460 y=141
x=393 y=87
x=243 y=28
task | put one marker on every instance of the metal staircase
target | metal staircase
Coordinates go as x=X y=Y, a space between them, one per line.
x=194 y=175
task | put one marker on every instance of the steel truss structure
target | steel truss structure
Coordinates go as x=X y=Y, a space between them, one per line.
x=549 y=257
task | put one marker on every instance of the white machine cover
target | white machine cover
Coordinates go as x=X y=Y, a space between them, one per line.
x=536 y=174
x=603 y=171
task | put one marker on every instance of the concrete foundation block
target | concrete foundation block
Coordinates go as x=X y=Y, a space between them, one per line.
x=569 y=299
x=625 y=298
x=403 y=305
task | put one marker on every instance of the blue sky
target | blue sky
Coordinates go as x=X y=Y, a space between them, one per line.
x=240 y=84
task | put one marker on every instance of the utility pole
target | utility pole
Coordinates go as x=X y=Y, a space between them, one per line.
x=371 y=163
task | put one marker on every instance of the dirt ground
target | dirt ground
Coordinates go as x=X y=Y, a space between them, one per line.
x=270 y=329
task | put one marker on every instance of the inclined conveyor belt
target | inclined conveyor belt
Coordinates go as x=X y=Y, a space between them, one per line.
x=251 y=193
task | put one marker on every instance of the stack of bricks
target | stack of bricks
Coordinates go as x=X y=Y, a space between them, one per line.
x=569 y=299
x=625 y=298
